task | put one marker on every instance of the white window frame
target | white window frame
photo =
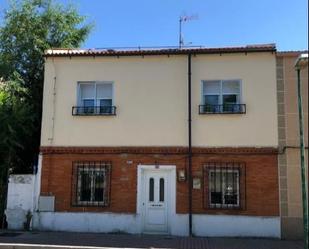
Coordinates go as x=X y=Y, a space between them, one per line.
x=223 y=205
x=96 y=101
x=221 y=90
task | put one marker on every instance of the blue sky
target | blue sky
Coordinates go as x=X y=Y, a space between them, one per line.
x=126 y=23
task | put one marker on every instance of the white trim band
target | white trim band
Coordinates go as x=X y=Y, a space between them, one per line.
x=203 y=225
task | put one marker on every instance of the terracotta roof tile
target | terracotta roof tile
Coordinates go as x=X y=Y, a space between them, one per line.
x=60 y=52
x=291 y=53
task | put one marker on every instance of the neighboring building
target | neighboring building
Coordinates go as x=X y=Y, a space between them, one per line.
x=116 y=136
x=289 y=158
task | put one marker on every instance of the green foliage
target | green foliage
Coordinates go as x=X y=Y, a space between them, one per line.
x=14 y=111
x=29 y=28
x=16 y=124
x=16 y=121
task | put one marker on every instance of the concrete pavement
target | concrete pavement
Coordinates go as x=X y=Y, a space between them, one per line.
x=66 y=240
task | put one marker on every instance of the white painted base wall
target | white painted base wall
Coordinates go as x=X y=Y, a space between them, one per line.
x=236 y=226
x=86 y=222
x=20 y=200
x=203 y=225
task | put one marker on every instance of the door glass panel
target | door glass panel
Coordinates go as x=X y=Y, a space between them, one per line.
x=151 y=189
x=161 y=189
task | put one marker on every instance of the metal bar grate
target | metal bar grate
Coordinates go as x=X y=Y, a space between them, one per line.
x=224 y=185
x=91 y=183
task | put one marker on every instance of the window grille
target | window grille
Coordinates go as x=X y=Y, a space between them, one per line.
x=224 y=185
x=91 y=183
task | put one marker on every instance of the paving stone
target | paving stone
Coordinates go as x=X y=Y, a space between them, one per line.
x=39 y=240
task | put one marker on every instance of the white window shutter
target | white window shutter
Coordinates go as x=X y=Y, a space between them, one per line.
x=211 y=87
x=104 y=91
x=87 y=91
x=231 y=87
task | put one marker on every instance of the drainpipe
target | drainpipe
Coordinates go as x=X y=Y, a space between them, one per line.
x=190 y=145
x=301 y=62
x=51 y=138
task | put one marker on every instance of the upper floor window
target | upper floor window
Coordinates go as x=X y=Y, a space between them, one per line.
x=221 y=96
x=95 y=98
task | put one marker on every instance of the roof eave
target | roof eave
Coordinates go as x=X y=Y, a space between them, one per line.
x=163 y=52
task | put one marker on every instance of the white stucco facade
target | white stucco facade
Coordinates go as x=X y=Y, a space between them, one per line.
x=150 y=94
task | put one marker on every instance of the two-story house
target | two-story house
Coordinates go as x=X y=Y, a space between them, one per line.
x=168 y=141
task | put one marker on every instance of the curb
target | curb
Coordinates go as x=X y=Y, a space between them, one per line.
x=41 y=246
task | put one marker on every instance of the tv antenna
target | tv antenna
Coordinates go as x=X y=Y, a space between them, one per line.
x=182 y=19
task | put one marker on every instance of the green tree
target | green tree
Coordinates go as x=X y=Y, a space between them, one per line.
x=15 y=124
x=29 y=28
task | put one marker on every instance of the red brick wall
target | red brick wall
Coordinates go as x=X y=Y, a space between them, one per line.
x=262 y=198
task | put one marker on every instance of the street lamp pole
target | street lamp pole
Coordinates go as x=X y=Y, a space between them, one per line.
x=301 y=62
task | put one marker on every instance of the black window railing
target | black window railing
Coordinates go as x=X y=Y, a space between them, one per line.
x=223 y=109
x=94 y=110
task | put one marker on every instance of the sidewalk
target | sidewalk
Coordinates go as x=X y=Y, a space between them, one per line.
x=9 y=240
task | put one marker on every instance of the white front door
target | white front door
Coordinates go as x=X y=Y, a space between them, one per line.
x=155 y=199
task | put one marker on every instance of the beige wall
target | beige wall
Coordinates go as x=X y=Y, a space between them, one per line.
x=292 y=132
x=291 y=107
x=258 y=127
x=289 y=161
x=151 y=98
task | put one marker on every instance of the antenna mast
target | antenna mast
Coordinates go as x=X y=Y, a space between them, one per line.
x=182 y=19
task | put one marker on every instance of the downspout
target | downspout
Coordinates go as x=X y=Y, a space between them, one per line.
x=301 y=62
x=51 y=138
x=302 y=159
x=190 y=145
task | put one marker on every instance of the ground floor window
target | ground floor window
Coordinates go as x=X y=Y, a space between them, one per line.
x=91 y=183
x=224 y=185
